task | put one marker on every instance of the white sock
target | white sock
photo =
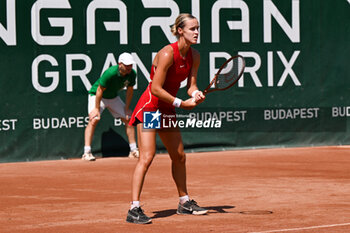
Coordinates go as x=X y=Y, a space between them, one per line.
x=135 y=204
x=87 y=149
x=133 y=146
x=183 y=199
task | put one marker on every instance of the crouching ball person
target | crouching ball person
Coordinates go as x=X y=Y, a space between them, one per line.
x=104 y=94
x=172 y=64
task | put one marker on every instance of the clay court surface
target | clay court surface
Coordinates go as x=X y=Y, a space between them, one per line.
x=262 y=190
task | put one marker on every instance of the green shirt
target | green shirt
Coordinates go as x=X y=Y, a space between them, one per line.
x=113 y=81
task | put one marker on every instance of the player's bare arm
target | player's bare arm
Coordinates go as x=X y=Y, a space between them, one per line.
x=128 y=98
x=162 y=62
x=192 y=88
x=95 y=113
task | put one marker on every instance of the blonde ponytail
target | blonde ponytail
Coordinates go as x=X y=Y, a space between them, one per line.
x=180 y=23
x=173 y=29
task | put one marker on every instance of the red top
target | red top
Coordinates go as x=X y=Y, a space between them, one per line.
x=177 y=72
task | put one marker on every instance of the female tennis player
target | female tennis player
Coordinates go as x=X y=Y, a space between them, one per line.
x=173 y=64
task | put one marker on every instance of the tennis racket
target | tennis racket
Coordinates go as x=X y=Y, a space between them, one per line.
x=228 y=74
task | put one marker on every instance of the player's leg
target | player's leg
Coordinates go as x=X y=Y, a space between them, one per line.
x=117 y=108
x=147 y=146
x=130 y=133
x=90 y=130
x=172 y=140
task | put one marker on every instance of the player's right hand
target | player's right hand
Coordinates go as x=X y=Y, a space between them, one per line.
x=199 y=97
x=94 y=114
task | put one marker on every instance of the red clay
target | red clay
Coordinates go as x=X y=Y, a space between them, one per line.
x=265 y=190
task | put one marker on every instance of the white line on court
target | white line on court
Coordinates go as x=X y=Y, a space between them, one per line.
x=305 y=228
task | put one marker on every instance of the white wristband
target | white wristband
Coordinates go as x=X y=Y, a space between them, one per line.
x=194 y=93
x=177 y=102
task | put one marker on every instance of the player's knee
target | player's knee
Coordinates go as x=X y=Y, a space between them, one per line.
x=180 y=158
x=146 y=159
x=183 y=158
x=94 y=121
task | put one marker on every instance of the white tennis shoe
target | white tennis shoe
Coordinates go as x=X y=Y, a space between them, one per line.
x=88 y=157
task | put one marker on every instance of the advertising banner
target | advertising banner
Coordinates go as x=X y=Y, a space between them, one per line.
x=295 y=90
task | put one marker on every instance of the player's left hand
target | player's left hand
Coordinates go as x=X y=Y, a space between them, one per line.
x=188 y=104
x=199 y=97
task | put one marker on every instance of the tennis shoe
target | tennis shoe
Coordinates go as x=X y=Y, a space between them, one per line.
x=190 y=207
x=134 y=154
x=88 y=157
x=136 y=215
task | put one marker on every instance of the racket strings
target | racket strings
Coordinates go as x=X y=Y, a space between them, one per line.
x=229 y=74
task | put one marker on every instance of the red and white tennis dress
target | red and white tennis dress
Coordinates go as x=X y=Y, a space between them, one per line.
x=177 y=72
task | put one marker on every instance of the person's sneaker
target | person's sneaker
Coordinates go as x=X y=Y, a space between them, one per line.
x=88 y=157
x=137 y=216
x=190 y=207
x=134 y=154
